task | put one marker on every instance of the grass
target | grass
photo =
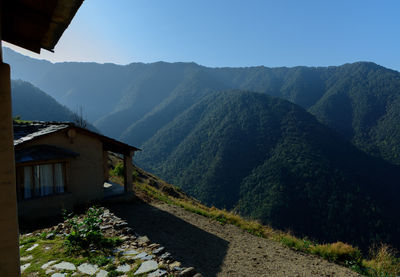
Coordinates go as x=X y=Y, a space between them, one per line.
x=381 y=263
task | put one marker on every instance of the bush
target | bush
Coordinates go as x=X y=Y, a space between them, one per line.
x=338 y=252
x=383 y=261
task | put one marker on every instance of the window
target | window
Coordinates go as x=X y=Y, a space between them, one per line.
x=40 y=180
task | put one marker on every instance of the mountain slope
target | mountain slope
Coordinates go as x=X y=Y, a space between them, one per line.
x=30 y=103
x=271 y=160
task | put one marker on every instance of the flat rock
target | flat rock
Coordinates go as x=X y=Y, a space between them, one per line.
x=141 y=255
x=123 y=268
x=25 y=266
x=147 y=266
x=59 y=275
x=102 y=273
x=159 y=250
x=147 y=258
x=89 y=269
x=48 y=271
x=166 y=255
x=157 y=273
x=130 y=252
x=65 y=266
x=46 y=265
x=32 y=247
x=143 y=240
x=26 y=258
x=188 y=272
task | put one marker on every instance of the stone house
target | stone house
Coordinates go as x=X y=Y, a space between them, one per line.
x=60 y=165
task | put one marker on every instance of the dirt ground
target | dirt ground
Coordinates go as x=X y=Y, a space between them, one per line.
x=220 y=250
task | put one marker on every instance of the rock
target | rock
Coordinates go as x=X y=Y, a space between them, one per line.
x=121 y=225
x=188 y=272
x=154 y=245
x=59 y=275
x=141 y=255
x=46 y=265
x=32 y=247
x=159 y=250
x=177 y=268
x=157 y=273
x=26 y=258
x=147 y=266
x=130 y=252
x=105 y=227
x=117 y=250
x=198 y=275
x=174 y=264
x=123 y=268
x=48 y=271
x=50 y=236
x=88 y=268
x=147 y=258
x=143 y=240
x=64 y=266
x=102 y=273
x=127 y=230
x=25 y=266
x=166 y=255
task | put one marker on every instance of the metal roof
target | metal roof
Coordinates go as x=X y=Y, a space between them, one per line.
x=27 y=131
x=36 y=24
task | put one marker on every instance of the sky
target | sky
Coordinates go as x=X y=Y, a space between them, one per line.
x=233 y=33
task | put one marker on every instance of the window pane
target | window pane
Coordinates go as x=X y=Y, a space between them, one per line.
x=36 y=176
x=46 y=179
x=28 y=182
x=59 y=178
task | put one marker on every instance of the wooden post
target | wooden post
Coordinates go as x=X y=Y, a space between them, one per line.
x=9 y=245
x=128 y=166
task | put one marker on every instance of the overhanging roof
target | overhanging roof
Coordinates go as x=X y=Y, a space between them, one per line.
x=36 y=24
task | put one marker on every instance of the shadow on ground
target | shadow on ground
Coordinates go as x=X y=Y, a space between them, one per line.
x=187 y=243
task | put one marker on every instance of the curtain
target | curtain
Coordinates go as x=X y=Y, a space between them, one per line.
x=28 y=182
x=59 y=178
x=46 y=179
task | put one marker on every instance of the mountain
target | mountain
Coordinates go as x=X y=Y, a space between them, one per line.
x=30 y=103
x=361 y=101
x=271 y=160
x=322 y=161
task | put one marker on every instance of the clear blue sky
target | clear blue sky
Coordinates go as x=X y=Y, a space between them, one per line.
x=234 y=33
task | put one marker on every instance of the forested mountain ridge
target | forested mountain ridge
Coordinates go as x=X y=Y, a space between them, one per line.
x=271 y=160
x=361 y=101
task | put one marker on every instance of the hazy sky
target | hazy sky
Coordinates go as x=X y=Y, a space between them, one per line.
x=233 y=33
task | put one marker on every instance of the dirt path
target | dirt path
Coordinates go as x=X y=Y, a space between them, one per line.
x=217 y=250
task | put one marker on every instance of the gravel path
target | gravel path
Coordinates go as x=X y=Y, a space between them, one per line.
x=220 y=250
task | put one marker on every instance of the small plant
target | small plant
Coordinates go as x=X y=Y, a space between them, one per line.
x=85 y=233
x=118 y=170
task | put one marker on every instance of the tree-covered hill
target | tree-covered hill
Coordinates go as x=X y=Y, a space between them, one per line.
x=30 y=103
x=271 y=160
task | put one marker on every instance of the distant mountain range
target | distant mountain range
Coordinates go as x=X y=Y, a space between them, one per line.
x=315 y=150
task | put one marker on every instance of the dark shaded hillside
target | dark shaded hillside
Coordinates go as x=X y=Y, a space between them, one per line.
x=30 y=103
x=273 y=161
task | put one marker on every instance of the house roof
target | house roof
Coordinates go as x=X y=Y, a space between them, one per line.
x=36 y=24
x=28 y=131
x=42 y=153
